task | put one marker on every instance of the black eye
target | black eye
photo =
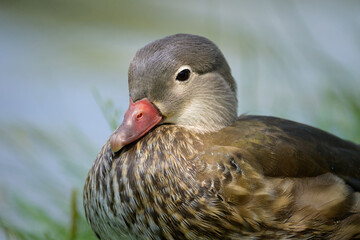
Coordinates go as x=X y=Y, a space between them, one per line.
x=183 y=75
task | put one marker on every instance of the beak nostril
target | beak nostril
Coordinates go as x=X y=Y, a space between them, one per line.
x=139 y=116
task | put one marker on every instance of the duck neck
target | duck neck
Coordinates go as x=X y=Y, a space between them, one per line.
x=211 y=107
x=210 y=114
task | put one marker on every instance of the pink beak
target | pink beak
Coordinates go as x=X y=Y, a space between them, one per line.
x=140 y=117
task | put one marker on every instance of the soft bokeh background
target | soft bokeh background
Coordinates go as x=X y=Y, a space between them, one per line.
x=63 y=73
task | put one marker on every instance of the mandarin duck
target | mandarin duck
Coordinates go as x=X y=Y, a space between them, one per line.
x=183 y=165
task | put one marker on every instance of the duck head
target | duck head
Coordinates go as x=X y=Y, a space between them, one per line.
x=181 y=79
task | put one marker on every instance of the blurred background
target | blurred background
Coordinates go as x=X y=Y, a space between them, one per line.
x=63 y=73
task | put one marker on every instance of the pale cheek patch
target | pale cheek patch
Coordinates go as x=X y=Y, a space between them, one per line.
x=203 y=104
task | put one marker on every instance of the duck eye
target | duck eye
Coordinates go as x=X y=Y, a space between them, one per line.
x=183 y=75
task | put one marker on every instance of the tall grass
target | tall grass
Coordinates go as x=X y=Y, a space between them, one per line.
x=57 y=213
x=28 y=220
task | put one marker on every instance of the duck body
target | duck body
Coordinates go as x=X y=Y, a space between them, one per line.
x=182 y=165
x=174 y=184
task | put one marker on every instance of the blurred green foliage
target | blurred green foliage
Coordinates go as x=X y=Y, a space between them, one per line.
x=346 y=120
x=53 y=229
x=43 y=225
x=33 y=220
x=110 y=111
